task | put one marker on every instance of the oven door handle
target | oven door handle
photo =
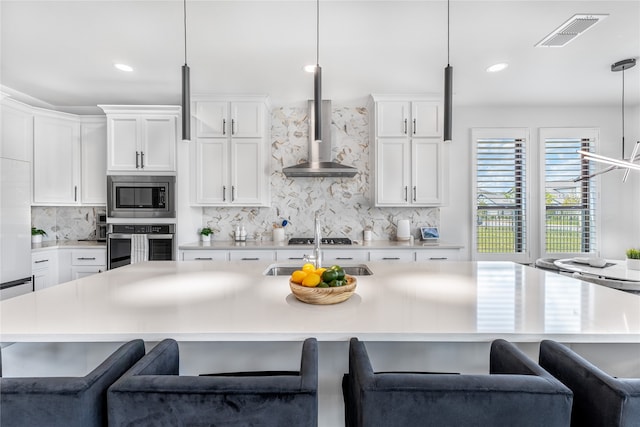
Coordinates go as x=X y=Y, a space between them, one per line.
x=159 y=236
x=119 y=236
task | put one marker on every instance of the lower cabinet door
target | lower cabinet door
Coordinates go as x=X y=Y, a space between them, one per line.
x=78 y=272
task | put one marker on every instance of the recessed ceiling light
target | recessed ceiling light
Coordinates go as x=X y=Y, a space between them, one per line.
x=123 y=67
x=497 y=67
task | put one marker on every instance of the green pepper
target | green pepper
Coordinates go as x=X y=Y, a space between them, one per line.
x=329 y=275
x=323 y=285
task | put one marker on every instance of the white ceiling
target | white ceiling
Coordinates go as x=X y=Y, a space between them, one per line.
x=62 y=52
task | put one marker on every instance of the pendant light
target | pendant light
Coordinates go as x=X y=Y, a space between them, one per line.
x=317 y=81
x=448 y=90
x=186 y=91
x=623 y=65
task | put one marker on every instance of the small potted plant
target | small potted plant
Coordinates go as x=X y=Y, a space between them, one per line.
x=36 y=235
x=633 y=259
x=205 y=234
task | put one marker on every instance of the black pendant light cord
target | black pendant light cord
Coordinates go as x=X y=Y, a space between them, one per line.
x=185 y=30
x=448 y=32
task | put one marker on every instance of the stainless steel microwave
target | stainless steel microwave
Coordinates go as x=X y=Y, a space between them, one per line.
x=141 y=196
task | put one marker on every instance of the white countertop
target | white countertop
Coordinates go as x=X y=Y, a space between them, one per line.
x=234 y=301
x=268 y=244
x=67 y=244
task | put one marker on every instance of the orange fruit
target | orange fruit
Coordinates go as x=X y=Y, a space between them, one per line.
x=320 y=271
x=298 y=276
x=312 y=280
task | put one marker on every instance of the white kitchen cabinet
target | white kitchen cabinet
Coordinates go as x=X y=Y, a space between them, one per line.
x=16 y=122
x=409 y=154
x=205 y=255
x=339 y=256
x=93 y=136
x=141 y=139
x=231 y=153
x=85 y=262
x=56 y=159
x=397 y=255
x=44 y=267
x=252 y=255
x=292 y=255
x=438 y=254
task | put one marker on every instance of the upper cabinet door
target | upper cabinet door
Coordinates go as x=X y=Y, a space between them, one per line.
x=17 y=133
x=247 y=119
x=123 y=152
x=158 y=144
x=248 y=171
x=94 y=166
x=392 y=119
x=427 y=179
x=211 y=171
x=212 y=118
x=425 y=119
x=392 y=169
x=56 y=161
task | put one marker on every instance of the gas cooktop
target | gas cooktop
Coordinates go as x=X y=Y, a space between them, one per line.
x=324 y=241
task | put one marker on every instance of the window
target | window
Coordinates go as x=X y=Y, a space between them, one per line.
x=501 y=194
x=569 y=217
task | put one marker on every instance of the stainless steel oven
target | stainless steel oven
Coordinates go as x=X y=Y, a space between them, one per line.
x=131 y=243
x=140 y=196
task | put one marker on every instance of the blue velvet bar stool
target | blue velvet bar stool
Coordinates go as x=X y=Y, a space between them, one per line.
x=153 y=393
x=599 y=400
x=65 y=401
x=517 y=392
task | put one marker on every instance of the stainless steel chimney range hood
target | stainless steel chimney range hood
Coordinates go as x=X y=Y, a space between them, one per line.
x=320 y=164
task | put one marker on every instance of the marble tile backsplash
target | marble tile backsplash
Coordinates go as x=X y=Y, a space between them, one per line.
x=343 y=204
x=66 y=223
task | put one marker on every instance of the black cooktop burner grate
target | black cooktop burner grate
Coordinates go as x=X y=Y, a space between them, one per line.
x=324 y=241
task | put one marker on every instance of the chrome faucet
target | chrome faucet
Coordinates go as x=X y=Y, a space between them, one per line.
x=316 y=258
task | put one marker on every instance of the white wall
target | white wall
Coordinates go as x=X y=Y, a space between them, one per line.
x=620 y=202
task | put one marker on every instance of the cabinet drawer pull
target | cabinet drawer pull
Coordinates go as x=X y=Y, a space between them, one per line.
x=294 y=257
x=224 y=126
x=436 y=258
x=41 y=260
x=204 y=259
x=137 y=155
x=414 y=126
x=344 y=258
x=87 y=259
x=391 y=258
x=249 y=259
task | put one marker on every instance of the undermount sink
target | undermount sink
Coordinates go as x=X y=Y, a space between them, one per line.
x=285 y=270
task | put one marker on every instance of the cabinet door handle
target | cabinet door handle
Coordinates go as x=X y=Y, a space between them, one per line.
x=41 y=260
x=233 y=193
x=86 y=258
x=391 y=258
x=142 y=160
x=204 y=259
x=405 y=193
x=344 y=258
x=224 y=193
x=405 y=126
x=414 y=126
x=75 y=193
x=414 y=193
x=233 y=126
x=224 y=126
x=249 y=259
x=137 y=155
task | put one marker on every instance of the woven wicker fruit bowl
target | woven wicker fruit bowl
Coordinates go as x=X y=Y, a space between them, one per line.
x=324 y=295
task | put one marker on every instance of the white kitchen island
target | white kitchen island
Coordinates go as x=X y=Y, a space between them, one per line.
x=416 y=316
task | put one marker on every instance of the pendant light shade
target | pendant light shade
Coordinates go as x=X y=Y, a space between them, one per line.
x=448 y=91
x=317 y=81
x=186 y=87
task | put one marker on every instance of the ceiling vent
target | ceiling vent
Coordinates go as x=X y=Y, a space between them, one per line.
x=571 y=29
